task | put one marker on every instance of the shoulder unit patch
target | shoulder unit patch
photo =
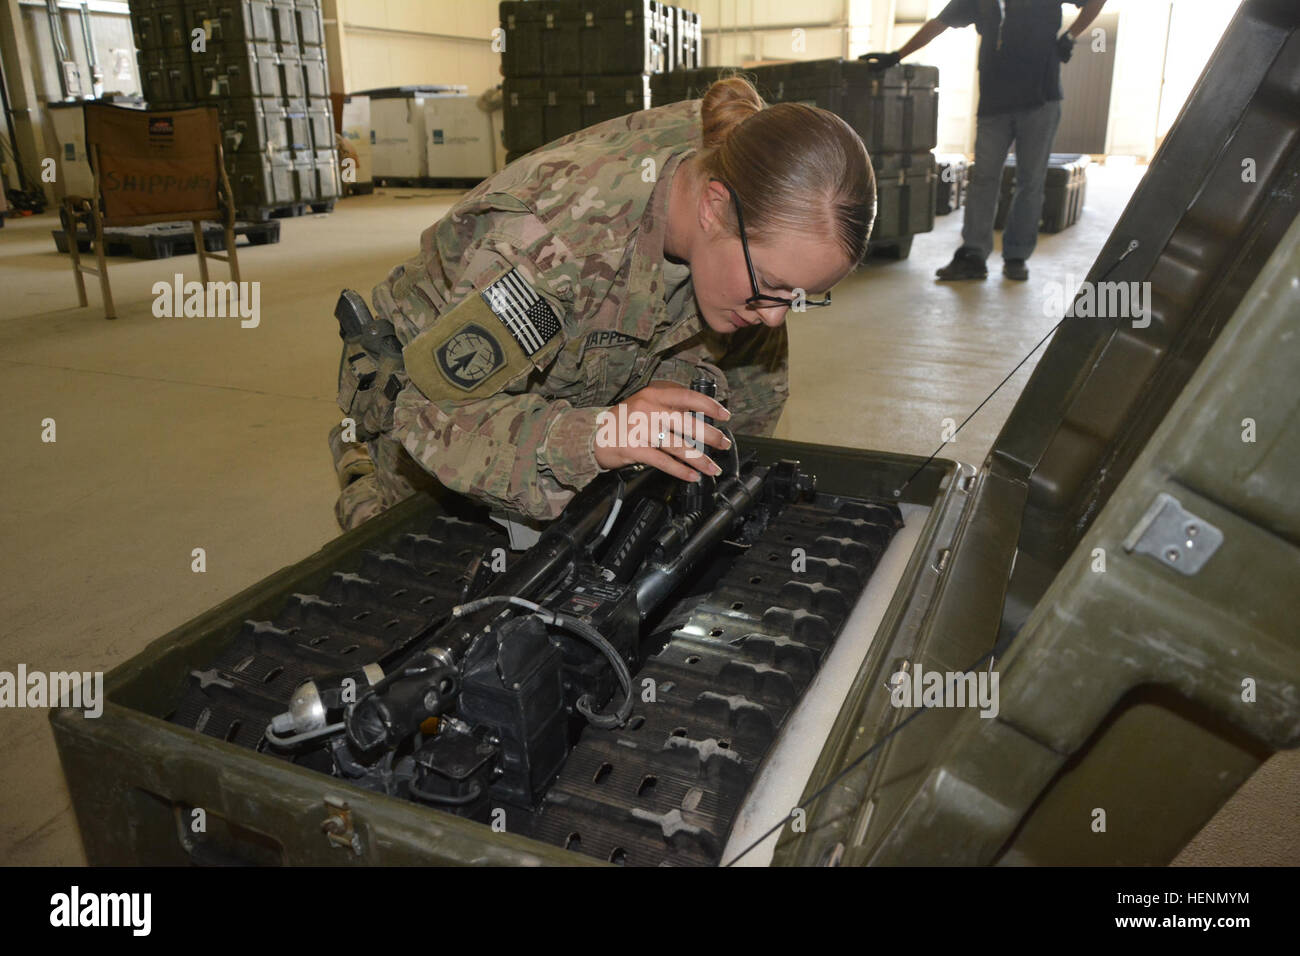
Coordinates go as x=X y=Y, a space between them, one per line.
x=470 y=356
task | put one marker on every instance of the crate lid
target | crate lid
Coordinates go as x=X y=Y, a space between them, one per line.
x=1135 y=329
x=1103 y=424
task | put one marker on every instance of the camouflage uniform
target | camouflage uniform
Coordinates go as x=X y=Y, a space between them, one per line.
x=542 y=298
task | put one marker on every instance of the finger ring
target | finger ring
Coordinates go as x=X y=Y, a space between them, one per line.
x=662 y=436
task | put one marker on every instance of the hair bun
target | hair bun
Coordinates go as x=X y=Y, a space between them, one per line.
x=728 y=102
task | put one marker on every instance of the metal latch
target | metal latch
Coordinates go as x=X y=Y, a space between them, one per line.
x=337 y=825
x=1174 y=536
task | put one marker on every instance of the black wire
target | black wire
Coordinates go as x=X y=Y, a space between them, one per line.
x=847 y=770
x=584 y=704
x=475 y=792
x=582 y=629
x=1133 y=244
x=735 y=450
x=899 y=492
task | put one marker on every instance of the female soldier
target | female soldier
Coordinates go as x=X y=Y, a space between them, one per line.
x=604 y=269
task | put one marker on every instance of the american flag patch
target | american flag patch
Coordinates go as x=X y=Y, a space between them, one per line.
x=528 y=316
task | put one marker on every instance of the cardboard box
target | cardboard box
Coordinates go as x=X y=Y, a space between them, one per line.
x=71 y=165
x=458 y=138
x=397 y=121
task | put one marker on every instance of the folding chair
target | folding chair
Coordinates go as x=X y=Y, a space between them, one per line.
x=151 y=166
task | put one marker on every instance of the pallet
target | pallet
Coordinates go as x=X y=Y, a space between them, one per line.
x=291 y=210
x=429 y=182
x=167 y=239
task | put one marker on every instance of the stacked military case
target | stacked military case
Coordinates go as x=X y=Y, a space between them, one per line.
x=895 y=111
x=570 y=64
x=1064 y=189
x=952 y=177
x=262 y=64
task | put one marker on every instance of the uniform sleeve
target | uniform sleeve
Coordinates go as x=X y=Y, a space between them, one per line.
x=757 y=366
x=488 y=435
x=959 y=13
x=525 y=453
x=699 y=353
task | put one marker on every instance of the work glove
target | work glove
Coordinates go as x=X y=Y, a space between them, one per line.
x=1065 y=46
x=880 y=61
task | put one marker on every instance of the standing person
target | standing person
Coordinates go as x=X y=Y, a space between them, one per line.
x=595 y=274
x=1020 y=60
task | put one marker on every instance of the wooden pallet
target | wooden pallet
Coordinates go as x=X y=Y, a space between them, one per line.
x=428 y=182
x=287 y=210
x=167 y=239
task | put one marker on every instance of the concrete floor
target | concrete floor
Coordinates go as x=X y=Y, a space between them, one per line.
x=182 y=433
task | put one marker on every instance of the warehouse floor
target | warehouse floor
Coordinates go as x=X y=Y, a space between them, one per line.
x=176 y=434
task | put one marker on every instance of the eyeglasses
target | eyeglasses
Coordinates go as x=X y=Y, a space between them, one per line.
x=758 y=300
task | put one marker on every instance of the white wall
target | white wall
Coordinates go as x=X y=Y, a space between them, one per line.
x=954 y=52
x=743 y=32
x=1162 y=48
x=1135 y=88
x=411 y=42
x=1194 y=31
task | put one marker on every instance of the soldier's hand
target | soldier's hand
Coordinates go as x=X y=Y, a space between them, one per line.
x=652 y=426
x=1065 y=46
x=880 y=61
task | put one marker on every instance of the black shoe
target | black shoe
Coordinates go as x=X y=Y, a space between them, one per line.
x=1015 y=269
x=966 y=264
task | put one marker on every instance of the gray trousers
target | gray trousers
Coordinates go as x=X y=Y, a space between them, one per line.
x=1032 y=131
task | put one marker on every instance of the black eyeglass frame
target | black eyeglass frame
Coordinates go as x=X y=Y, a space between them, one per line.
x=771 y=300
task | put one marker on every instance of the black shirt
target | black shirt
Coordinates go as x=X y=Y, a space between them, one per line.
x=1019 y=66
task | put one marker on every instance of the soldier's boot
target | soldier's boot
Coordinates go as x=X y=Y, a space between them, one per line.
x=359 y=502
x=351 y=459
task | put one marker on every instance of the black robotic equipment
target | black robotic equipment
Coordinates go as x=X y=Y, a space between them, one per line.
x=516 y=681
